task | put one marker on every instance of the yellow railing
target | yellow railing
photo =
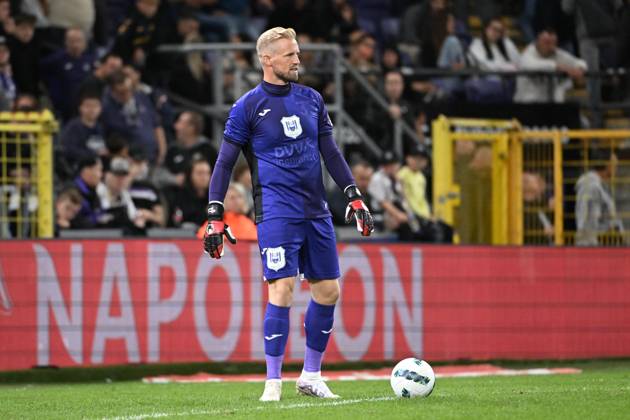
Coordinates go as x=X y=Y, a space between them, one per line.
x=497 y=183
x=26 y=175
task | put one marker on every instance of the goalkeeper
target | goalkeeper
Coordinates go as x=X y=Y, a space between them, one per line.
x=282 y=128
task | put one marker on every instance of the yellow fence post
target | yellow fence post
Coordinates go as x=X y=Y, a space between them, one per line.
x=558 y=181
x=515 y=188
x=45 y=218
x=500 y=190
x=443 y=179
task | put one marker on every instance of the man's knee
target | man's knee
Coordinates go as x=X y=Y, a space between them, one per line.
x=281 y=291
x=325 y=292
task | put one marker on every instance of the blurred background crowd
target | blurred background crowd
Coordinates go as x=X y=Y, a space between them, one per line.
x=134 y=152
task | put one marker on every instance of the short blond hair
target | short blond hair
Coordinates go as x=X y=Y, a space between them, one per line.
x=272 y=35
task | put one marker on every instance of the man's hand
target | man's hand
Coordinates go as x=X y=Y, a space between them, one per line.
x=356 y=208
x=213 y=237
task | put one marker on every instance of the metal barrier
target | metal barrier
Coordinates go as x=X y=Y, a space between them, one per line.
x=26 y=175
x=497 y=183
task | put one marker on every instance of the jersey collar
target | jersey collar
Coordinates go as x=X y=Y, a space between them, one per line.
x=276 y=90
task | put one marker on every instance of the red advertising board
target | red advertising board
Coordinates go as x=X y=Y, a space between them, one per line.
x=93 y=302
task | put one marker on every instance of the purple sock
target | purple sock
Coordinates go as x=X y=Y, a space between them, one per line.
x=318 y=324
x=276 y=330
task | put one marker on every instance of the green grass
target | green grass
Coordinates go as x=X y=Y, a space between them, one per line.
x=601 y=392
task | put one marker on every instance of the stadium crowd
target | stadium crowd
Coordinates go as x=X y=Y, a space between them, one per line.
x=131 y=156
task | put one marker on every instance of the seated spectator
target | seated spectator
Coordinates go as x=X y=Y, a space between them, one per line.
x=25 y=53
x=413 y=182
x=544 y=55
x=362 y=172
x=362 y=55
x=89 y=174
x=189 y=141
x=387 y=195
x=67 y=207
x=18 y=203
x=117 y=145
x=235 y=215
x=26 y=102
x=64 y=71
x=83 y=135
x=118 y=209
x=96 y=83
x=450 y=57
x=494 y=51
x=187 y=204
x=133 y=115
x=7 y=85
x=595 y=211
x=145 y=196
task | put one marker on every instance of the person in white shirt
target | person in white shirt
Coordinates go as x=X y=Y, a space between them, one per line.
x=494 y=51
x=544 y=55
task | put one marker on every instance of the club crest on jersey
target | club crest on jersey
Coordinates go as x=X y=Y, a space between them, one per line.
x=291 y=125
x=275 y=258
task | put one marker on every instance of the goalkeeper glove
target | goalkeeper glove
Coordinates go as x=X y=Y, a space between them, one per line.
x=356 y=208
x=213 y=237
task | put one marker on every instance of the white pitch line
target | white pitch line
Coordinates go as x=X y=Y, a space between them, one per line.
x=269 y=406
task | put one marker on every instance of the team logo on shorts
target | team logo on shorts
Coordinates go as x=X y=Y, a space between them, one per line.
x=275 y=258
x=291 y=125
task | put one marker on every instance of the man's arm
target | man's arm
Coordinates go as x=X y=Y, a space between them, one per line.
x=160 y=138
x=339 y=170
x=213 y=238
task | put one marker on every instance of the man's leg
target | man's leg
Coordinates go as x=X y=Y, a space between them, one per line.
x=318 y=324
x=276 y=332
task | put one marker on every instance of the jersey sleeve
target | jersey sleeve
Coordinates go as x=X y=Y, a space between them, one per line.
x=324 y=123
x=237 y=128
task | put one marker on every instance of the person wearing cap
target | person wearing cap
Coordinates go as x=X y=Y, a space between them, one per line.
x=413 y=181
x=117 y=204
x=387 y=196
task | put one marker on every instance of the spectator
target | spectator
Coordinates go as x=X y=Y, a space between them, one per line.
x=139 y=35
x=594 y=207
x=67 y=207
x=7 y=85
x=381 y=127
x=65 y=70
x=96 y=83
x=345 y=24
x=451 y=56
x=189 y=142
x=494 y=51
x=83 y=135
x=187 y=204
x=25 y=53
x=387 y=198
x=191 y=75
x=362 y=54
x=18 y=203
x=158 y=98
x=144 y=195
x=118 y=210
x=25 y=102
x=133 y=115
x=90 y=172
x=544 y=55
x=413 y=182
x=427 y=30
x=596 y=29
x=7 y=24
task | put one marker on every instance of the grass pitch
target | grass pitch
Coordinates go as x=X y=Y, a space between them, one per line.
x=602 y=391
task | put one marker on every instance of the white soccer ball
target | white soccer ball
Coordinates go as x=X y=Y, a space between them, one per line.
x=412 y=377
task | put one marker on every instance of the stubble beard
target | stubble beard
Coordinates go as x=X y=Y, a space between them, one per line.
x=288 y=76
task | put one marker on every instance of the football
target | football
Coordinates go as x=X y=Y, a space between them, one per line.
x=412 y=377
